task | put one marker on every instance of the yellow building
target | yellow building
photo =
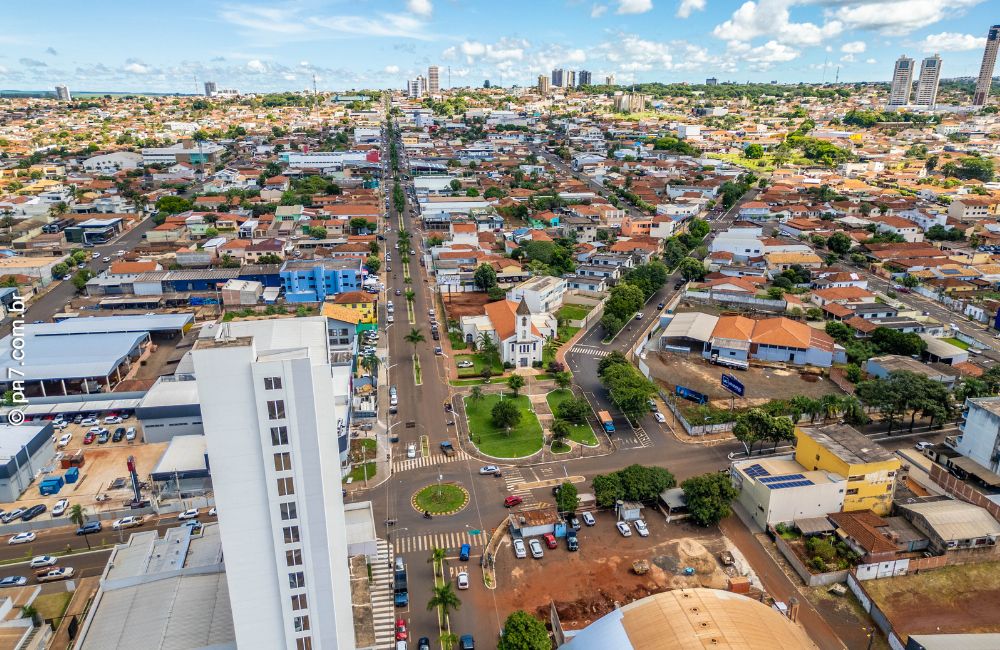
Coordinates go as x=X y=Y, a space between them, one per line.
x=870 y=468
x=363 y=303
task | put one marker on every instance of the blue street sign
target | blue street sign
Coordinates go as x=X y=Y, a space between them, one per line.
x=733 y=385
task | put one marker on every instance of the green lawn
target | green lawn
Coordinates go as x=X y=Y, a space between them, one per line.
x=581 y=433
x=437 y=499
x=565 y=333
x=957 y=343
x=523 y=440
x=574 y=312
x=477 y=366
x=358 y=472
x=52 y=606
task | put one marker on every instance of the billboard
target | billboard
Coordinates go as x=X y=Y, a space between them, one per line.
x=733 y=385
x=693 y=395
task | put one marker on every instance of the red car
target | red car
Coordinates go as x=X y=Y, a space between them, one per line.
x=550 y=540
x=512 y=500
x=89 y=437
x=401 y=633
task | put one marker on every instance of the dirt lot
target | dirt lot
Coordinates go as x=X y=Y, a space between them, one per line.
x=103 y=464
x=464 y=304
x=670 y=369
x=586 y=585
x=949 y=600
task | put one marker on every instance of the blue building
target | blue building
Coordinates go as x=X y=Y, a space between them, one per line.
x=315 y=280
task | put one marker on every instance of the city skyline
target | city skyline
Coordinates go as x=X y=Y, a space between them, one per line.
x=257 y=47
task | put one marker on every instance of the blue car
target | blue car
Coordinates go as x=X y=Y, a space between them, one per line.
x=463 y=554
x=89 y=528
x=467 y=642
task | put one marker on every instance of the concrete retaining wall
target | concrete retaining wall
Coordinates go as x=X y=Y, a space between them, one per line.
x=809 y=578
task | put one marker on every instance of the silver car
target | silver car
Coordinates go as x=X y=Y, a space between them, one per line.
x=536 y=549
x=519 y=551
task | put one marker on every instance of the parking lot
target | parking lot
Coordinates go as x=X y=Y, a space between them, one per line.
x=586 y=584
x=103 y=465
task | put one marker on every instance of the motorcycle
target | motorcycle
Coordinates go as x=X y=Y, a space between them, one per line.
x=427 y=515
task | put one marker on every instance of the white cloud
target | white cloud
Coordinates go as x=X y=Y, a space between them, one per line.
x=397 y=25
x=898 y=17
x=687 y=6
x=772 y=19
x=288 y=76
x=420 y=7
x=847 y=58
x=276 y=20
x=598 y=10
x=634 y=6
x=256 y=65
x=632 y=53
x=871 y=61
x=506 y=49
x=575 y=56
x=764 y=56
x=304 y=64
x=391 y=69
x=952 y=42
x=137 y=68
x=854 y=47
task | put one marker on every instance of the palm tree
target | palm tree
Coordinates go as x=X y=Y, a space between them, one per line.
x=79 y=517
x=476 y=393
x=437 y=557
x=830 y=404
x=445 y=598
x=370 y=363
x=410 y=295
x=449 y=639
x=415 y=336
x=516 y=383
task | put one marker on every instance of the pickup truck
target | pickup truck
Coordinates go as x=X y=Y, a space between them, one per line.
x=606 y=421
x=447 y=448
x=57 y=573
x=400 y=595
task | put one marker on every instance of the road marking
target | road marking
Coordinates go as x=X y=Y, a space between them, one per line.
x=427 y=461
x=590 y=351
x=383 y=606
x=451 y=542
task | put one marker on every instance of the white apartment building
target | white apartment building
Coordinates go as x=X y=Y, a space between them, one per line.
x=927 y=83
x=980 y=439
x=902 y=82
x=273 y=409
x=543 y=293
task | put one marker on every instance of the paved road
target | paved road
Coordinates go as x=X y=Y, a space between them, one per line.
x=54 y=301
x=86 y=564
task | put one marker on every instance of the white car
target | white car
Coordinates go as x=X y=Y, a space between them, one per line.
x=489 y=469
x=95 y=255
x=60 y=507
x=88 y=422
x=465 y=364
x=659 y=417
x=624 y=529
x=59 y=424
x=411 y=450
x=588 y=518
x=113 y=419
x=188 y=514
x=130 y=433
x=536 y=549
x=106 y=259
x=463 y=580
x=127 y=522
x=214 y=512
x=64 y=439
x=42 y=561
x=640 y=527
x=923 y=444
x=22 y=538
x=519 y=551
x=639 y=316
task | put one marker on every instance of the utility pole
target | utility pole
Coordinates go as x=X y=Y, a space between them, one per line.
x=314 y=85
x=449 y=77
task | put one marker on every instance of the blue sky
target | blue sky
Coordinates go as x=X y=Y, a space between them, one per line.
x=257 y=46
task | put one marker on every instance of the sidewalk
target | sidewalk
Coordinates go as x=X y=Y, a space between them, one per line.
x=86 y=589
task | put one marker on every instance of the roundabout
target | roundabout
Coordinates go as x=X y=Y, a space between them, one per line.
x=444 y=499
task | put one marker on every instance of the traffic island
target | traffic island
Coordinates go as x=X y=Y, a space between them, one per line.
x=444 y=499
x=520 y=440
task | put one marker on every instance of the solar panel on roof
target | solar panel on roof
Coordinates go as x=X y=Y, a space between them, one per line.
x=786 y=477
x=756 y=470
x=789 y=484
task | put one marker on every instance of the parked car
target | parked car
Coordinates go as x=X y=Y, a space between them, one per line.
x=40 y=561
x=57 y=573
x=59 y=424
x=465 y=364
x=12 y=515
x=463 y=580
x=536 y=549
x=572 y=543
x=588 y=518
x=512 y=500
x=13 y=581
x=467 y=642
x=640 y=527
x=573 y=522
x=89 y=437
x=89 y=528
x=22 y=538
x=88 y=422
x=191 y=513
x=118 y=434
x=213 y=512
x=64 y=439
x=60 y=507
x=401 y=632
x=424 y=643
x=923 y=444
x=113 y=419
x=127 y=522
x=489 y=469
x=33 y=512
x=624 y=529
x=659 y=417
x=519 y=551
x=103 y=437
x=411 y=450
x=550 y=540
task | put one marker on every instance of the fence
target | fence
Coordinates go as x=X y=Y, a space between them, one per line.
x=695 y=430
x=750 y=302
x=588 y=299
x=809 y=578
x=869 y=606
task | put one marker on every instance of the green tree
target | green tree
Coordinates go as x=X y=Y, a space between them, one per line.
x=692 y=270
x=505 y=415
x=614 y=358
x=472 y=192
x=78 y=516
x=60 y=270
x=445 y=599
x=560 y=431
x=607 y=489
x=373 y=264
x=754 y=152
x=455 y=184
x=515 y=383
x=567 y=499
x=172 y=204
x=708 y=497
x=485 y=277
x=522 y=631
x=81 y=277
x=839 y=243
x=269 y=258
x=414 y=337
x=476 y=394
x=573 y=410
x=563 y=379
x=644 y=483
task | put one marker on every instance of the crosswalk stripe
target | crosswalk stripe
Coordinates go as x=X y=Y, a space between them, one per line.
x=427 y=461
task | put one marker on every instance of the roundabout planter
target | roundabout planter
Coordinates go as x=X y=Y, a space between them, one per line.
x=442 y=500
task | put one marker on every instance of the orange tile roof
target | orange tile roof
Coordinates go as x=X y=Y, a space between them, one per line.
x=733 y=327
x=782 y=331
x=352 y=297
x=124 y=268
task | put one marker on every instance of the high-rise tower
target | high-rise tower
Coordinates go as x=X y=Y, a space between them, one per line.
x=927 y=83
x=986 y=69
x=902 y=82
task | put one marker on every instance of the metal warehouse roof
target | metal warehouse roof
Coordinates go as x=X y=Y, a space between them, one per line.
x=90 y=406
x=185 y=455
x=112 y=324
x=954 y=520
x=68 y=357
x=691 y=325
